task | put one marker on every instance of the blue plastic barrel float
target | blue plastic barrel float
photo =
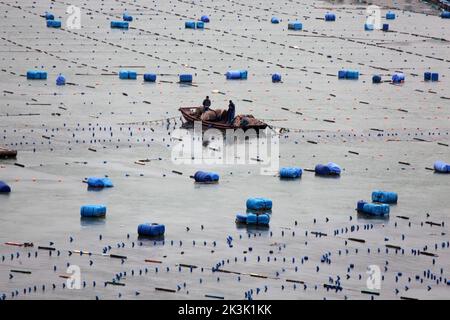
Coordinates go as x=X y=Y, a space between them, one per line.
x=36 y=75
x=119 y=24
x=187 y=78
x=259 y=204
x=374 y=209
x=384 y=196
x=329 y=169
x=49 y=16
x=204 y=19
x=442 y=167
x=445 y=14
x=275 y=20
x=94 y=182
x=127 y=17
x=385 y=26
x=398 y=77
x=93 y=211
x=236 y=75
x=434 y=76
x=390 y=15
x=4 y=188
x=295 y=25
x=149 y=77
x=200 y=25
x=368 y=27
x=127 y=74
x=206 y=177
x=151 y=229
x=189 y=24
x=290 y=173
x=276 y=77
x=376 y=79
x=427 y=76
x=53 y=24
x=348 y=74
x=60 y=80
x=330 y=16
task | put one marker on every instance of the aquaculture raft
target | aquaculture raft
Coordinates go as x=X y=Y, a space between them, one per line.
x=5 y=153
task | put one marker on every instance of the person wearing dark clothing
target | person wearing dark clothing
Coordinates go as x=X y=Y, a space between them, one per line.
x=206 y=104
x=230 y=112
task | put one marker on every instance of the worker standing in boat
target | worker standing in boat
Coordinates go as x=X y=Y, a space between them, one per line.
x=206 y=104
x=231 y=112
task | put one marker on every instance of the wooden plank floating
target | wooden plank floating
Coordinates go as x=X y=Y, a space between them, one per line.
x=391 y=246
x=187 y=265
x=295 y=281
x=20 y=271
x=370 y=292
x=353 y=152
x=403 y=217
x=431 y=223
x=407 y=298
x=46 y=248
x=357 y=240
x=429 y=254
x=152 y=261
x=116 y=256
x=165 y=290
x=404 y=163
x=213 y=296
x=113 y=283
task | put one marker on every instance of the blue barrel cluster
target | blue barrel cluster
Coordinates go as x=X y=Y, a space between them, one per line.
x=262 y=219
x=431 y=76
x=53 y=24
x=60 y=80
x=276 y=77
x=275 y=20
x=194 y=24
x=442 y=167
x=348 y=74
x=295 y=25
x=384 y=197
x=376 y=78
x=119 y=24
x=36 y=75
x=150 y=77
x=49 y=16
x=186 y=78
x=127 y=17
x=290 y=173
x=236 y=75
x=330 y=16
x=329 y=169
x=445 y=14
x=93 y=211
x=127 y=74
x=398 y=77
x=374 y=209
x=204 y=19
x=390 y=15
x=206 y=177
x=259 y=204
x=4 y=188
x=151 y=230
x=94 y=182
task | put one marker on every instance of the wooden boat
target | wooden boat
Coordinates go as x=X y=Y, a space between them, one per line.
x=192 y=114
x=5 y=153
